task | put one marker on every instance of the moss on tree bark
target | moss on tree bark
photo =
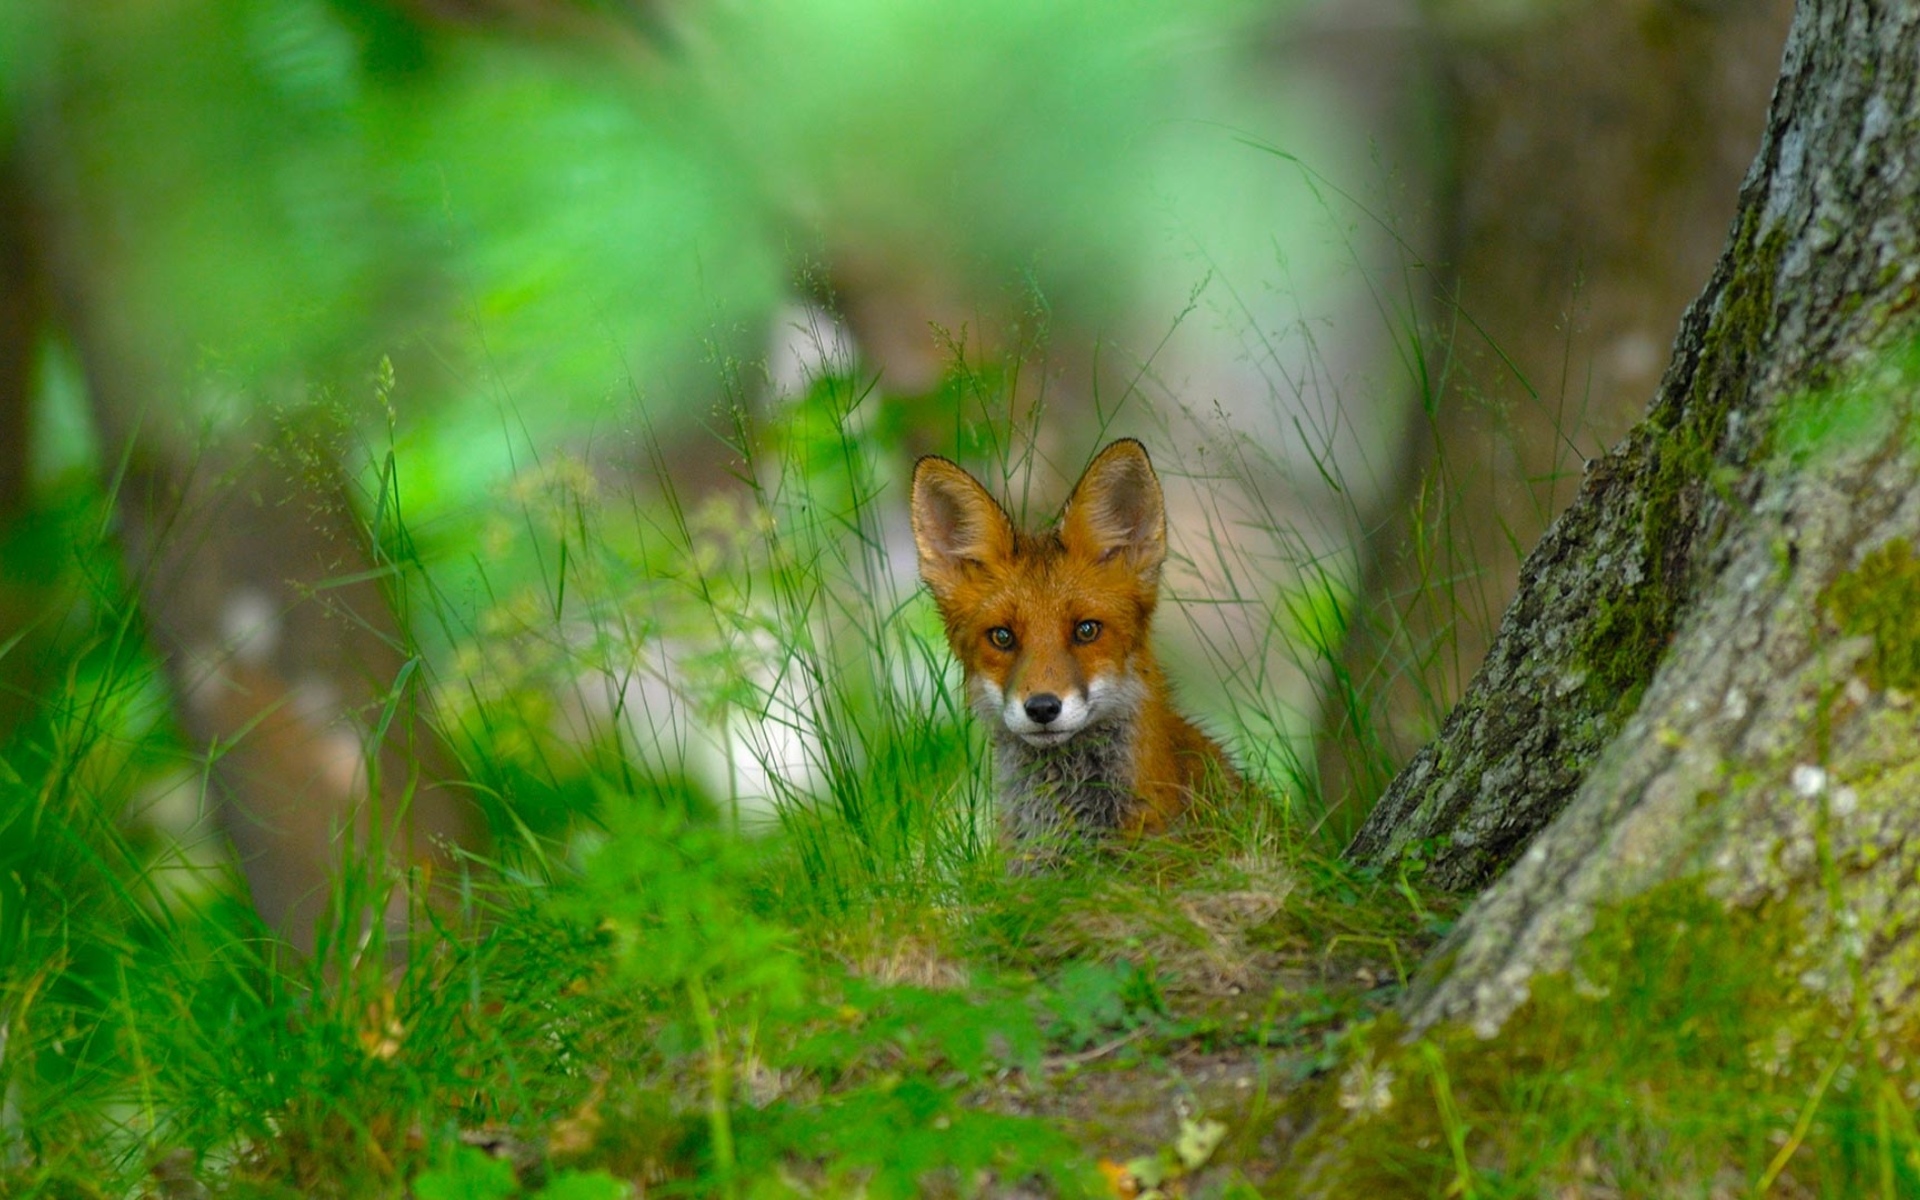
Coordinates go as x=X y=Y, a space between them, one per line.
x=1674 y=691
x=1695 y=747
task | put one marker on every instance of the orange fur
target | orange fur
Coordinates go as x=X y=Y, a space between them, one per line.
x=1051 y=630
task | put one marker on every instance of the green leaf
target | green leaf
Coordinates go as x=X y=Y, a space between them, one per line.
x=583 y=1185
x=468 y=1174
x=1090 y=998
x=1197 y=1142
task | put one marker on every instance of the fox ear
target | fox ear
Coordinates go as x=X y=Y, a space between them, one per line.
x=955 y=523
x=1117 y=509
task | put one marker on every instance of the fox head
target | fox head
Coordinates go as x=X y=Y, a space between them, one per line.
x=1051 y=629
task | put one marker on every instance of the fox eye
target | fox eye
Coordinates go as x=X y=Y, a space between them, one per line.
x=1086 y=631
x=1001 y=637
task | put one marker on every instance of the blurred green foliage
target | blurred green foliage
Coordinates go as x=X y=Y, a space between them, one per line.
x=538 y=226
x=566 y=215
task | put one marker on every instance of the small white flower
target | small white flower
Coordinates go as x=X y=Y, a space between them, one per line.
x=1366 y=1089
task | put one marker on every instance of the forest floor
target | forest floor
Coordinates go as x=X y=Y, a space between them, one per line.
x=1250 y=1003
x=1152 y=1024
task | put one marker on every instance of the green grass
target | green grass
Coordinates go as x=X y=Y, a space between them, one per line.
x=835 y=989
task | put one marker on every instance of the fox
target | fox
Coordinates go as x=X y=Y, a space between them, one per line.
x=1052 y=634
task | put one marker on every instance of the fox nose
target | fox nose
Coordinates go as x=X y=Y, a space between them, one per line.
x=1042 y=709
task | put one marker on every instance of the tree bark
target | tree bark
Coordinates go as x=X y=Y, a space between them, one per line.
x=1597 y=155
x=20 y=319
x=1710 y=668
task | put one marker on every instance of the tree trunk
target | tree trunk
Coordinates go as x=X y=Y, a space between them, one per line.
x=1696 y=737
x=1597 y=153
x=20 y=317
x=1709 y=672
x=261 y=599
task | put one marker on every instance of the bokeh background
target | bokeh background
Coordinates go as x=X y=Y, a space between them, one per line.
x=331 y=330
x=468 y=720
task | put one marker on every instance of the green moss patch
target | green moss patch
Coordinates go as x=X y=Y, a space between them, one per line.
x=1880 y=599
x=1677 y=1058
x=1681 y=440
